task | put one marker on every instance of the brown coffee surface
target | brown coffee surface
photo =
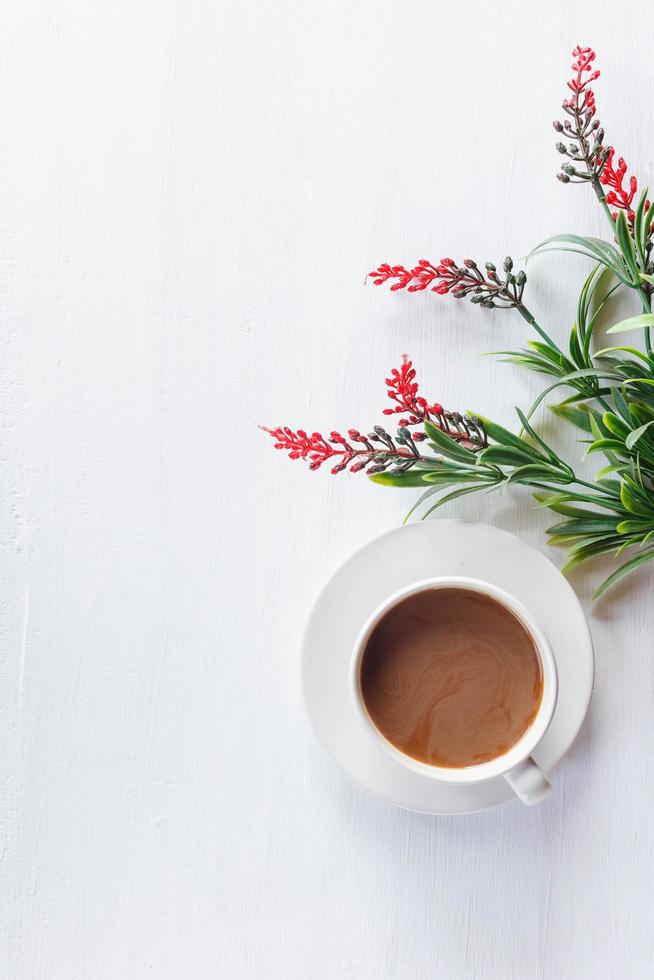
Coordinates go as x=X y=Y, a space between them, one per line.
x=451 y=677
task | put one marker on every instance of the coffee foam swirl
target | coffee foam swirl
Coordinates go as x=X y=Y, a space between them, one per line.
x=451 y=677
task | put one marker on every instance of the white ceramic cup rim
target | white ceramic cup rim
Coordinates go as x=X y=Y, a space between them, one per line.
x=524 y=747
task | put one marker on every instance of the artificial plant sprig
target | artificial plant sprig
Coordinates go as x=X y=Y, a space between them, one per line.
x=612 y=390
x=377 y=450
x=478 y=454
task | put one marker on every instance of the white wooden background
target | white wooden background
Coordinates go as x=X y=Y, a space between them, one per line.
x=191 y=195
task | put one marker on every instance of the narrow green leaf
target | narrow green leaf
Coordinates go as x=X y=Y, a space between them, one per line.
x=544 y=395
x=628 y=350
x=624 y=570
x=576 y=416
x=549 y=454
x=621 y=404
x=593 y=248
x=615 y=425
x=593 y=550
x=614 y=468
x=505 y=456
x=631 y=502
x=412 y=478
x=592 y=525
x=448 y=479
x=634 y=436
x=505 y=438
x=633 y=323
x=533 y=472
x=447 y=446
x=605 y=445
x=421 y=499
x=639 y=238
x=632 y=526
x=626 y=244
x=567 y=510
x=453 y=496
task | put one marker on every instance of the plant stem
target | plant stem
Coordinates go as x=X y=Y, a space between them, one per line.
x=531 y=320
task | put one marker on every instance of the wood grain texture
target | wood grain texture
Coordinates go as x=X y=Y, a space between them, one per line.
x=190 y=198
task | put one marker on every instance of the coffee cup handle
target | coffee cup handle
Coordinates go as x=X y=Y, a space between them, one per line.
x=528 y=782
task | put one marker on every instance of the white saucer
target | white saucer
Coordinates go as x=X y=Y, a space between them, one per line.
x=386 y=565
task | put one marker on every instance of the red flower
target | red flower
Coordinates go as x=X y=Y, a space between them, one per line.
x=403 y=390
x=619 y=196
x=588 y=147
x=316 y=449
x=584 y=58
x=376 y=451
x=300 y=445
x=466 y=280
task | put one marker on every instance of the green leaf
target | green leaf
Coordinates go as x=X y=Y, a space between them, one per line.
x=592 y=550
x=634 y=526
x=575 y=347
x=505 y=438
x=621 y=404
x=634 y=436
x=626 y=244
x=505 y=456
x=639 y=238
x=460 y=492
x=593 y=248
x=552 y=353
x=597 y=428
x=593 y=525
x=412 y=478
x=549 y=454
x=533 y=472
x=631 y=502
x=591 y=373
x=624 y=570
x=605 y=446
x=627 y=350
x=447 y=446
x=421 y=499
x=633 y=323
x=646 y=278
x=567 y=510
x=615 y=425
x=576 y=416
x=557 y=500
x=614 y=468
x=449 y=477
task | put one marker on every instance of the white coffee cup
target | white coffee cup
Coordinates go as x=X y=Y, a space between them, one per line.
x=517 y=766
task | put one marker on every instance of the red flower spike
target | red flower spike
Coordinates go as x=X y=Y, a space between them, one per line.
x=619 y=197
x=588 y=147
x=447 y=277
x=378 y=450
x=403 y=390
